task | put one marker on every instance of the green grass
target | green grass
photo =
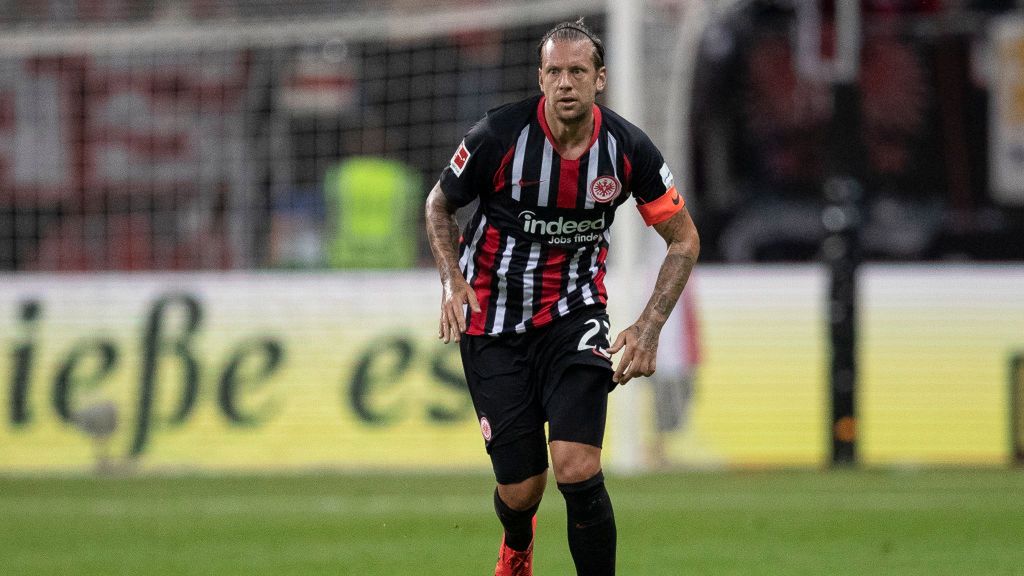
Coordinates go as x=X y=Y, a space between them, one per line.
x=931 y=522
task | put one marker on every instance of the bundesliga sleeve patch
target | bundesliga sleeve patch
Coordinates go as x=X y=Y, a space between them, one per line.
x=459 y=160
x=666 y=176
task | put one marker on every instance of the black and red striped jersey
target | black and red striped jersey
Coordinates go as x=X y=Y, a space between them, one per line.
x=535 y=249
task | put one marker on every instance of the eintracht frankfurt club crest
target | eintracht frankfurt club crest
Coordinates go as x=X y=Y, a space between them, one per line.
x=485 y=428
x=605 y=189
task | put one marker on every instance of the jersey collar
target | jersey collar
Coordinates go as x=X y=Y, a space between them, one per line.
x=547 y=130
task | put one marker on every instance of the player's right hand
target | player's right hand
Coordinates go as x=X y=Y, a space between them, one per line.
x=456 y=294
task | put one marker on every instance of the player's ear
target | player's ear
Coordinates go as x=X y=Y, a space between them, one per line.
x=602 y=79
x=540 y=79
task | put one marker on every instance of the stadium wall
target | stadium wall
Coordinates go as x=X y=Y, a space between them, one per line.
x=290 y=371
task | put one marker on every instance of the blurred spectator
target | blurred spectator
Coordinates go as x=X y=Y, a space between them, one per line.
x=788 y=119
x=373 y=205
x=763 y=150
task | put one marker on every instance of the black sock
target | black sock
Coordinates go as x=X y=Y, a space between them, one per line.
x=591 y=525
x=518 y=523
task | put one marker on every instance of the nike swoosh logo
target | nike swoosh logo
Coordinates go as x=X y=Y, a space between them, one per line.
x=675 y=199
x=523 y=183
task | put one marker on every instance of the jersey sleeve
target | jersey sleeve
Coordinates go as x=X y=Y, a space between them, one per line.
x=470 y=170
x=652 y=184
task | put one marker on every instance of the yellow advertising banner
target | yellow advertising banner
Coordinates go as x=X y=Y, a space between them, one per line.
x=235 y=371
x=289 y=371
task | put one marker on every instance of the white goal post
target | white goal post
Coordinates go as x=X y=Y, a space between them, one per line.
x=668 y=121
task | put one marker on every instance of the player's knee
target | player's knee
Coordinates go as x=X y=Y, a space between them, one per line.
x=577 y=472
x=575 y=462
x=523 y=495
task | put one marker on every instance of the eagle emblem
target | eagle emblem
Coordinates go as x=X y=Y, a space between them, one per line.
x=604 y=189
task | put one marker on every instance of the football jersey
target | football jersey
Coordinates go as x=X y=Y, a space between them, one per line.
x=536 y=247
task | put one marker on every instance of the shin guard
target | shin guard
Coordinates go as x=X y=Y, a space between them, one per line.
x=518 y=523
x=591 y=526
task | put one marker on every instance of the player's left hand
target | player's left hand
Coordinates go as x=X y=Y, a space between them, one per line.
x=640 y=353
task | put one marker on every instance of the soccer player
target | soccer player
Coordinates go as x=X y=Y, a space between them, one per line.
x=526 y=299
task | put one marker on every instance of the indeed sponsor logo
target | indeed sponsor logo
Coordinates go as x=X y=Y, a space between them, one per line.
x=534 y=225
x=563 y=231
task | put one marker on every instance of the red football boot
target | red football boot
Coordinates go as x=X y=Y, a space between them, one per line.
x=513 y=562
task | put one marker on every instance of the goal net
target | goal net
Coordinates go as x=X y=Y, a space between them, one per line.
x=203 y=137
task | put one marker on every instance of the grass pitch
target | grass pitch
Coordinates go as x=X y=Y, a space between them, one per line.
x=932 y=522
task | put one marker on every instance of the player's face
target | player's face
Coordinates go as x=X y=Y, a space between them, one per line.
x=569 y=79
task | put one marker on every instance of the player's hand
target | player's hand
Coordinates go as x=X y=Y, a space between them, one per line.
x=639 y=346
x=456 y=294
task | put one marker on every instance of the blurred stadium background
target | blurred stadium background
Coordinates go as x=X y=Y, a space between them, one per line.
x=214 y=263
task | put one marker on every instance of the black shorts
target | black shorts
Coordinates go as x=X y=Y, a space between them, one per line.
x=520 y=381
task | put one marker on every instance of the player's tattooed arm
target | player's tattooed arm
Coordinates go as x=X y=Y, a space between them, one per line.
x=640 y=341
x=456 y=293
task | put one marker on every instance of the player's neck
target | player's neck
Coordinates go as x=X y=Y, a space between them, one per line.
x=571 y=139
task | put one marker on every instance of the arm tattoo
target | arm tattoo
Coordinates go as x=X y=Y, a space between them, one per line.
x=672 y=277
x=443 y=236
x=683 y=249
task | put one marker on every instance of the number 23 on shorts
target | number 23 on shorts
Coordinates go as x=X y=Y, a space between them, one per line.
x=598 y=328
